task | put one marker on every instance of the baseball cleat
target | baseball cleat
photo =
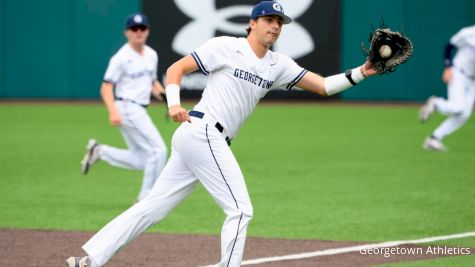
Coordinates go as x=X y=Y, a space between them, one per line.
x=433 y=144
x=91 y=156
x=427 y=109
x=77 y=262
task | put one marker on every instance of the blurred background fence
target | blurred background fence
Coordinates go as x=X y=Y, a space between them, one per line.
x=56 y=49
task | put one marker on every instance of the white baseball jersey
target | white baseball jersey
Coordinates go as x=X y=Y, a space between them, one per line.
x=464 y=40
x=461 y=89
x=133 y=74
x=238 y=79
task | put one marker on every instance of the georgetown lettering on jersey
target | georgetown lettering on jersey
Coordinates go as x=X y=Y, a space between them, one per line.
x=252 y=78
x=140 y=74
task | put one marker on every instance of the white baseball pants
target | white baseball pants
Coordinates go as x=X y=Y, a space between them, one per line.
x=199 y=153
x=458 y=106
x=146 y=149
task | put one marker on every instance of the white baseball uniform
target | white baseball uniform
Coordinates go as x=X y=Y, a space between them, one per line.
x=133 y=75
x=461 y=89
x=238 y=79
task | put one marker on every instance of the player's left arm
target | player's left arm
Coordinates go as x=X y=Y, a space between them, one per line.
x=331 y=85
x=157 y=90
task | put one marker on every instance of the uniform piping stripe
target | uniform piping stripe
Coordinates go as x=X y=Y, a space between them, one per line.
x=199 y=63
x=109 y=81
x=237 y=206
x=235 y=239
x=297 y=79
x=219 y=168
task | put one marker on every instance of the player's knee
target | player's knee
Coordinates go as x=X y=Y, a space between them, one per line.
x=139 y=164
x=140 y=160
x=456 y=109
x=137 y=160
x=466 y=114
x=462 y=118
x=158 y=151
x=248 y=215
x=150 y=154
x=243 y=212
x=162 y=152
x=247 y=211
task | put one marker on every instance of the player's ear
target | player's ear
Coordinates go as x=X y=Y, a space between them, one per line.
x=252 y=24
x=126 y=33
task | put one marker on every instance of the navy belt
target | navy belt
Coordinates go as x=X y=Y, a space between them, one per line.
x=128 y=100
x=218 y=125
x=471 y=77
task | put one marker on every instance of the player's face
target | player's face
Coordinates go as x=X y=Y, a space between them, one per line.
x=267 y=29
x=137 y=34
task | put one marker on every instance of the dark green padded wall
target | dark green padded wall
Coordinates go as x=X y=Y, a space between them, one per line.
x=428 y=24
x=58 y=49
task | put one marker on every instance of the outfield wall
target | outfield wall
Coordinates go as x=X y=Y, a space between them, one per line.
x=60 y=49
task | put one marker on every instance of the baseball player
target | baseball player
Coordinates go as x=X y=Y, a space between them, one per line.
x=132 y=72
x=459 y=74
x=240 y=72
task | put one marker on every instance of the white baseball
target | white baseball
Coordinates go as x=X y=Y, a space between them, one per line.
x=385 y=51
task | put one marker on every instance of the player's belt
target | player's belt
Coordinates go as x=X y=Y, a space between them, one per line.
x=471 y=77
x=200 y=115
x=132 y=101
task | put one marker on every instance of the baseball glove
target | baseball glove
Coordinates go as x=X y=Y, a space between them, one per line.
x=384 y=59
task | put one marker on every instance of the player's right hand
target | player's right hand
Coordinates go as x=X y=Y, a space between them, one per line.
x=367 y=69
x=179 y=114
x=447 y=75
x=115 y=119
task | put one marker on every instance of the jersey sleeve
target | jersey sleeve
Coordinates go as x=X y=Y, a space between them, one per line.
x=114 y=71
x=458 y=39
x=465 y=37
x=289 y=73
x=212 y=54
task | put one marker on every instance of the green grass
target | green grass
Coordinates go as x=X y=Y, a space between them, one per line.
x=332 y=172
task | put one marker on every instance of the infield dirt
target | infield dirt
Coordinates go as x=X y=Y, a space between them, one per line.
x=51 y=248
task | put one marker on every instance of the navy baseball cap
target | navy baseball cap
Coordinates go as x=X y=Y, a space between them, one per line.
x=266 y=8
x=136 y=19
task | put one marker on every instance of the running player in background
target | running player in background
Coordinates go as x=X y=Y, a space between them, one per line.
x=132 y=71
x=459 y=74
x=241 y=71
